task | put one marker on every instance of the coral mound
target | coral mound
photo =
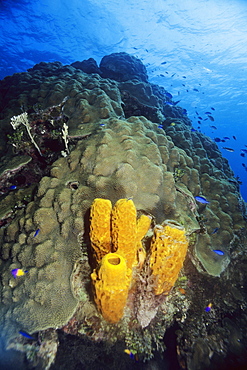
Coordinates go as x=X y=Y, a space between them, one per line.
x=123 y=67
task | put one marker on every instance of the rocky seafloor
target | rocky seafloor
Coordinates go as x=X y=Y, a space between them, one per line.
x=106 y=132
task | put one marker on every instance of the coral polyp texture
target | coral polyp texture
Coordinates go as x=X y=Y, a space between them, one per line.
x=111 y=284
x=168 y=250
x=125 y=144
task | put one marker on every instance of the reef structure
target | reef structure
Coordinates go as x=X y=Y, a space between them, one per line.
x=121 y=146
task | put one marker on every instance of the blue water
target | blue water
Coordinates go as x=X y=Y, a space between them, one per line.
x=201 y=44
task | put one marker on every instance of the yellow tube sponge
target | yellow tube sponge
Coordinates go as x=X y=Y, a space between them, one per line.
x=124 y=230
x=100 y=227
x=111 y=285
x=168 y=250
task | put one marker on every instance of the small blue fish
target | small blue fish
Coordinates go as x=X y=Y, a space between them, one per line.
x=215 y=230
x=36 y=233
x=168 y=95
x=228 y=149
x=25 y=334
x=12 y=187
x=219 y=252
x=131 y=354
x=169 y=103
x=208 y=308
x=18 y=272
x=211 y=118
x=202 y=200
x=193 y=130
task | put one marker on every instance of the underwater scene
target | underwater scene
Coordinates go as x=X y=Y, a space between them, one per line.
x=123 y=240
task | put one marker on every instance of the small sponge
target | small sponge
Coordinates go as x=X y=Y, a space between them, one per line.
x=111 y=285
x=168 y=250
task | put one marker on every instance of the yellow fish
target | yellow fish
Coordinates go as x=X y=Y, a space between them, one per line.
x=208 y=308
x=18 y=272
x=131 y=354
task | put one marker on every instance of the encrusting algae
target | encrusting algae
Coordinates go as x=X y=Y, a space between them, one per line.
x=116 y=236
